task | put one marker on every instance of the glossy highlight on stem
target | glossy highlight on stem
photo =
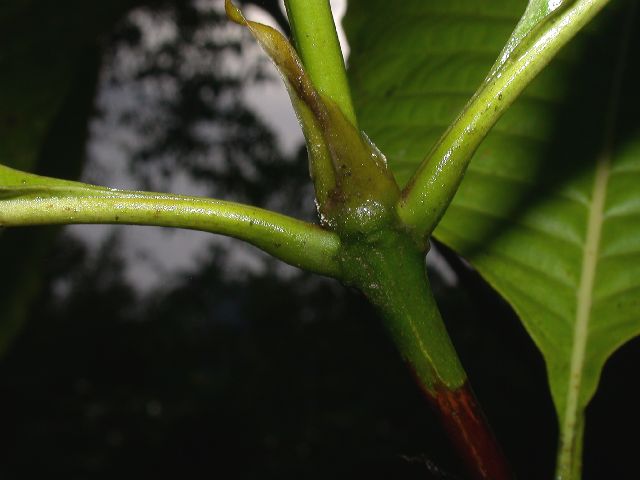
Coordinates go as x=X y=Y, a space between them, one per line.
x=27 y=199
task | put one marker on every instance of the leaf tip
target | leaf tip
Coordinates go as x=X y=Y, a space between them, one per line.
x=234 y=13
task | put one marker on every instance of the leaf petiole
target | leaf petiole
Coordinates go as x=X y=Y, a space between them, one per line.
x=435 y=182
x=27 y=199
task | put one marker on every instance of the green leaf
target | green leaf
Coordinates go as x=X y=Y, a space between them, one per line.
x=548 y=209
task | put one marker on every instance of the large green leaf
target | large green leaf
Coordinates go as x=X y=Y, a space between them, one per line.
x=548 y=210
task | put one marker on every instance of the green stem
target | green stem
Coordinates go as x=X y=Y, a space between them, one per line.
x=317 y=43
x=27 y=199
x=429 y=192
x=388 y=266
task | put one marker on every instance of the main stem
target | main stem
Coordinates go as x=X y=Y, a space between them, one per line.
x=387 y=264
x=316 y=41
x=389 y=268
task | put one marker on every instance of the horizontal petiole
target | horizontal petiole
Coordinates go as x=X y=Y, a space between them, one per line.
x=27 y=199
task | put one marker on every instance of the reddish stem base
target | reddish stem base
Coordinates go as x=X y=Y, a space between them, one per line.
x=467 y=427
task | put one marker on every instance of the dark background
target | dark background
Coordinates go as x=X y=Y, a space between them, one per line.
x=218 y=370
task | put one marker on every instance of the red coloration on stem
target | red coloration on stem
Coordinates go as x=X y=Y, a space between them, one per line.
x=467 y=427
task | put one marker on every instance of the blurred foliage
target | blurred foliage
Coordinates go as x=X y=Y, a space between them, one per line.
x=182 y=70
x=49 y=59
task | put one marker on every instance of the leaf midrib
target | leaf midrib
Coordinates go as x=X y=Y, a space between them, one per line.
x=585 y=294
x=585 y=297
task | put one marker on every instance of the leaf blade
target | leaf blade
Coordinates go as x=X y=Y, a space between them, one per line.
x=523 y=229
